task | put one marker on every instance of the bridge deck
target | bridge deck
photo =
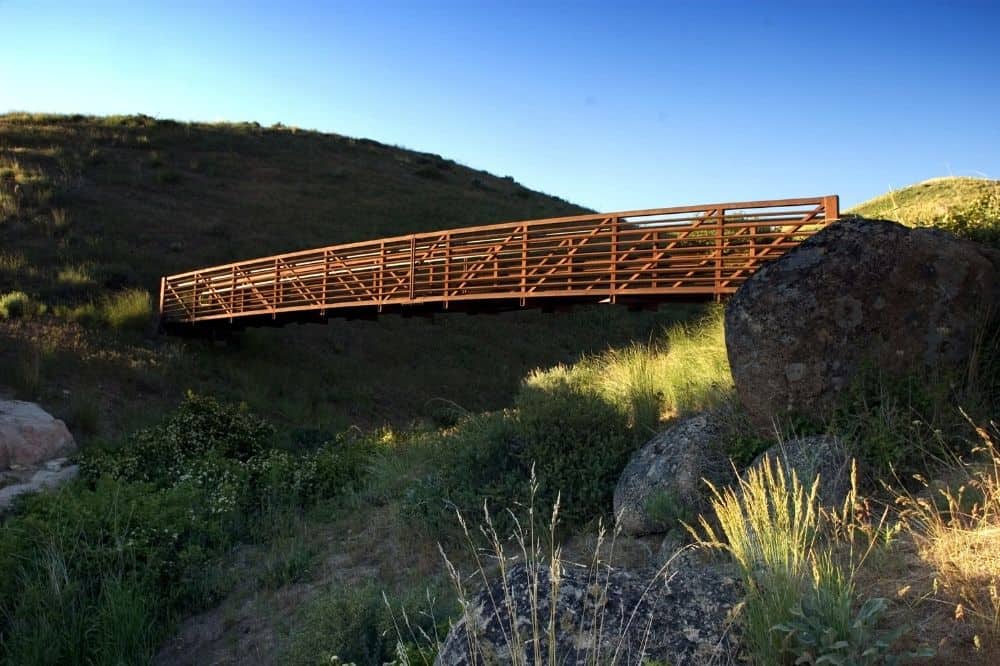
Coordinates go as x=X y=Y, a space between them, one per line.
x=702 y=252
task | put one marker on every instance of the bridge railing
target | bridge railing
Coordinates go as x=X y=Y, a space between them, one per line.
x=706 y=250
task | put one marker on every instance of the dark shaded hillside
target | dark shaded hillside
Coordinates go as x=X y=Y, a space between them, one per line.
x=94 y=210
x=170 y=196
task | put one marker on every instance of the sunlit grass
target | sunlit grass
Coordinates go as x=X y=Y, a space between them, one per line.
x=75 y=275
x=128 y=309
x=16 y=304
x=956 y=525
x=769 y=526
x=685 y=370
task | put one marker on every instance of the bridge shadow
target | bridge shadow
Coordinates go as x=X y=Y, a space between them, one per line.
x=397 y=370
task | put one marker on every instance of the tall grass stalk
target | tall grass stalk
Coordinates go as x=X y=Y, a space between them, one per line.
x=769 y=526
x=534 y=639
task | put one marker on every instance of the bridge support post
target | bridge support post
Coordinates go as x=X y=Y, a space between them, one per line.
x=613 y=295
x=831 y=208
x=718 y=254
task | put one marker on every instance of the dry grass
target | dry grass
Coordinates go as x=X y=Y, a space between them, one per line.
x=534 y=639
x=926 y=203
x=955 y=527
x=969 y=207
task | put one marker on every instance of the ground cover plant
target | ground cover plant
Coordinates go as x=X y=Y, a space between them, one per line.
x=102 y=567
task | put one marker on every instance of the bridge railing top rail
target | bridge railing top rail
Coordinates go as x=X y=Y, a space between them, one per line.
x=672 y=217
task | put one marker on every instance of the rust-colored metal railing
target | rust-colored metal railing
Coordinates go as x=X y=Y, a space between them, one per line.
x=691 y=251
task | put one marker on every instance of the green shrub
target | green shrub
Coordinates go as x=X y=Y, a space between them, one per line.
x=356 y=625
x=199 y=428
x=474 y=463
x=578 y=443
x=349 y=623
x=229 y=454
x=17 y=304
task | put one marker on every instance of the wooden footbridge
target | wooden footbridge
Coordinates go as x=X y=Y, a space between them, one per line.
x=636 y=257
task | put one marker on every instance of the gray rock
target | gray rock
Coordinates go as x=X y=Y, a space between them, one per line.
x=682 y=617
x=860 y=291
x=820 y=455
x=51 y=475
x=663 y=480
x=29 y=435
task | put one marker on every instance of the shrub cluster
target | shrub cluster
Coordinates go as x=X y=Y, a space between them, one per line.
x=95 y=568
x=359 y=625
x=17 y=304
x=576 y=441
x=229 y=454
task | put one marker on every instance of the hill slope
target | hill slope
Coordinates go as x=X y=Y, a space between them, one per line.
x=967 y=206
x=94 y=210
x=173 y=196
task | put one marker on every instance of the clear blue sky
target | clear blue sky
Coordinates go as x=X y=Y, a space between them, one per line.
x=611 y=105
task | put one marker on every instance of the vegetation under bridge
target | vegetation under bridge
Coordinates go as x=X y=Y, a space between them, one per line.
x=638 y=258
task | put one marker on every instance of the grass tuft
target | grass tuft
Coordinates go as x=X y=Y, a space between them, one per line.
x=131 y=309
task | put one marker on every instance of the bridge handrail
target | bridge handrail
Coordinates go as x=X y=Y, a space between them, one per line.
x=573 y=255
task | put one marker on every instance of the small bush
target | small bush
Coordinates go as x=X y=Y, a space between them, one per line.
x=475 y=463
x=578 y=444
x=17 y=304
x=576 y=441
x=347 y=623
x=357 y=625
x=201 y=428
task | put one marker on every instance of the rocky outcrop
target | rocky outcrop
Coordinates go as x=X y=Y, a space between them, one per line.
x=53 y=473
x=859 y=292
x=683 y=616
x=33 y=450
x=663 y=481
x=29 y=435
x=822 y=456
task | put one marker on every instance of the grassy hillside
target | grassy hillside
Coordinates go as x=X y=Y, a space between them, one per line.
x=967 y=206
x=94 y=210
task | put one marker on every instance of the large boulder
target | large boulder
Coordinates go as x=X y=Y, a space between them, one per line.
x=822 y=456
x=663 y=480
x=29 y=435
x=681 y=617
x=858 y=292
